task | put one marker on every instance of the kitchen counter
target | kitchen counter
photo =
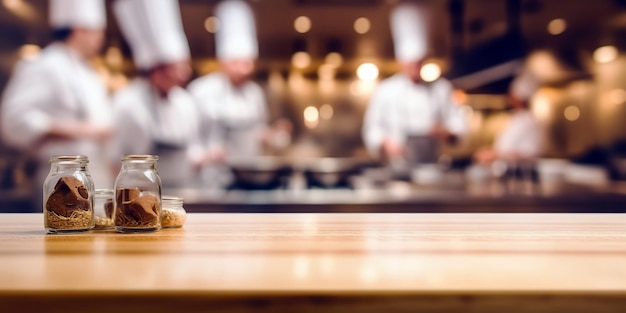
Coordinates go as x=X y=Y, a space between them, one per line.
x=322 y=263
x=407 y=197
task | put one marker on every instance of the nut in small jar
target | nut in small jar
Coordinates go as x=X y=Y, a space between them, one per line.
x=103 y=209
x=173 y=214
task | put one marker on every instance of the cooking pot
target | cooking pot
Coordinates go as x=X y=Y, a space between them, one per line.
x=261 y=172
x=332 y=172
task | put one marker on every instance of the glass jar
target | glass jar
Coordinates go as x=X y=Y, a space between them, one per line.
x=103 y=209
x=173 y=214
x=137 y=205
x=68 y=195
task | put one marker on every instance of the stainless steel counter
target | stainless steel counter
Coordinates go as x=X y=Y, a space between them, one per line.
x=407 y=197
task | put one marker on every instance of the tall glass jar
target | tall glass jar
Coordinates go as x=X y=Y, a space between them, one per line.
x=68 y=195
x=137 y=205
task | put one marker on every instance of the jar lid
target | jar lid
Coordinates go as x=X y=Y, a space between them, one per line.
x=69 y=159
x=140 y=158
x=103 y=192
x=171 y=201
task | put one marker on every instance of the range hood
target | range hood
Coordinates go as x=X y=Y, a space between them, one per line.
x=489 y=68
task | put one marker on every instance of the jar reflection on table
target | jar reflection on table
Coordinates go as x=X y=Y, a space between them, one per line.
x=137 y=205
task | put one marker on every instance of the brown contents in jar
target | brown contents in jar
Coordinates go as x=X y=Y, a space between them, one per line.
x=108 y=208
x=68 y=207
x=136 y=210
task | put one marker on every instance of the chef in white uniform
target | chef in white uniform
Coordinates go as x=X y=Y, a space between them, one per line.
x=404 y=105
x=57 y=104
x=521 y=140
x=231 y=104
x=154 y=114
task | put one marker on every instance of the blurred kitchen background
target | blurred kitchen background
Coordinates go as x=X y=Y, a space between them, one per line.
x=320 y=60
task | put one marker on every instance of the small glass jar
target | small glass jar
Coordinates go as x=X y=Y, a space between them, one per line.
x=173 y=214
x=103 y=209
x=68 y=195
x=137 y=205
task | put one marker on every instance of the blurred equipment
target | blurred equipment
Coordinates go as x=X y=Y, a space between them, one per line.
x=259 y=173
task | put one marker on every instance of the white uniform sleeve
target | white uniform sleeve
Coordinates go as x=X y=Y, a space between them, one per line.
x=261 y=103
x=375 y=128
x=454 y=118
x=25 y=105
x=130 y=135
x=523 y=136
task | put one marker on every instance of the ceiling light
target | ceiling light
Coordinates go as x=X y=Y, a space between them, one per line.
x=13 y=4
x=302 y=24
x=362 y=25
x=326 y=72
x=571 y=113
x=367 y=72
x=557 y=26
x=326 y=111
x=211 y=24
x=311 y=117
x=430 y=72
x=605 y=54
x=334 y=58
x=617 y=96
x=301 y=60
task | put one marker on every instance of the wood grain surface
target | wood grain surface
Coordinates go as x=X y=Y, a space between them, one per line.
x=329 y=262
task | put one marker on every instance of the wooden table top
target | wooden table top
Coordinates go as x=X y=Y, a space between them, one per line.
x=324 y=254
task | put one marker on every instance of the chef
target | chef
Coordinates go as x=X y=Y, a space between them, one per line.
x=404 y=105
x=521 y=140
x=57 y=104
x=154 y=114
x=230 y=102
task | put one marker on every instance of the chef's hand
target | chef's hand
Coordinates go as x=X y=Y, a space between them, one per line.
x=97 y=131
x=69 y=130
x=440 y=132
x=485 y=155
x=212 y=156
x=392 y=150
x=279 y=134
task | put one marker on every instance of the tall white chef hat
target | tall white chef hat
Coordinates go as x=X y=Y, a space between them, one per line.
x=524 y=86
x=77 y=13
x=410 y=36
x=236 y=36
x=154 y=31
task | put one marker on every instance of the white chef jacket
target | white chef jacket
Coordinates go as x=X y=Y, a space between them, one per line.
x=400 y=108
x=522 y=136
x=148 y=124
x=58 y=85
x=236 y=117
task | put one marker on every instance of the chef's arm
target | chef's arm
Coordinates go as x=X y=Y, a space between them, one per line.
x=454 y=126
x=26 y=104
x=71 y=129
x=213 y=147
x=376 y=129
x=25 y=120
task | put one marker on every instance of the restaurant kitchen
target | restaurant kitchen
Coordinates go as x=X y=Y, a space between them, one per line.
x=319 y=64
